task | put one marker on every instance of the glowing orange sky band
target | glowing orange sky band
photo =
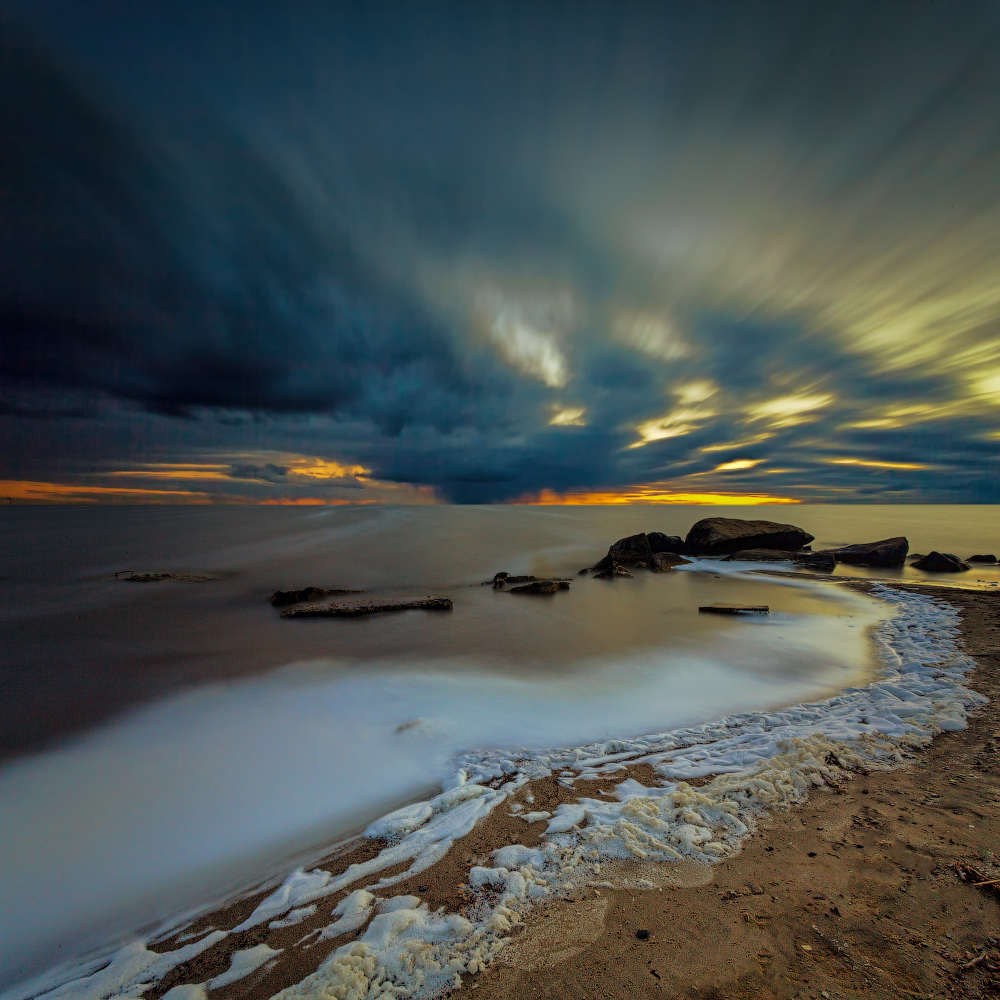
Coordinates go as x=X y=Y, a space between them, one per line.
x=639 y=495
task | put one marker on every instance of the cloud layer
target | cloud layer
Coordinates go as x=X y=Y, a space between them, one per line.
x=502 y=250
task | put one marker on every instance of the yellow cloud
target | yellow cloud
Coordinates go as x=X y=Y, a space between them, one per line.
x=786 y=411
x=696 y=392
x=733 y=445
x=321 y=468
x=650 y=333
x=737 y=464
x=675 y=424
x=872 y=464
x=570 y=417
x=652 y=493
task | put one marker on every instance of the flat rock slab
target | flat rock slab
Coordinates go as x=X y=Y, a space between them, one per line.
x=162 y=577
x=541 y=587
x=982 y=559
x=502 y=580
x=282 y=598
x=375 y=608
x=735 y=609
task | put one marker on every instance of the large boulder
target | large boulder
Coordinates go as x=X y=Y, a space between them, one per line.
x=887 y=552
x=659 y=542
x=941 y=562
x=719 y=536
x=982 y=559
x=633 y=550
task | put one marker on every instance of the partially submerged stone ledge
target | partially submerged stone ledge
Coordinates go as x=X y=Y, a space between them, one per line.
x=282 y=598
x=374 y=608
x=541 y=587
x=735 y=609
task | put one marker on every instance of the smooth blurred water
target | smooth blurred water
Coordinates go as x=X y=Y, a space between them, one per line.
x=175 y=736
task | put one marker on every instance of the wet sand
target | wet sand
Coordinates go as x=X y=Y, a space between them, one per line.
x=866 y=890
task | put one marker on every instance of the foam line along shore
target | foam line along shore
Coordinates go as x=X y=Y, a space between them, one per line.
x=716 y=782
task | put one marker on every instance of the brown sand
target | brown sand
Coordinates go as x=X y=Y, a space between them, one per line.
x=865 y=891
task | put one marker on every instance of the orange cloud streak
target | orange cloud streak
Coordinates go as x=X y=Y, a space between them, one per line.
x=64 y=493
x=650 y=495
x=313 y=502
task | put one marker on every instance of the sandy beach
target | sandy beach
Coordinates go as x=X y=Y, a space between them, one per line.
x=866 y=890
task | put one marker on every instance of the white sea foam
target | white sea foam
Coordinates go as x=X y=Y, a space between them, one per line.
x=207 y=786
x=761 y=760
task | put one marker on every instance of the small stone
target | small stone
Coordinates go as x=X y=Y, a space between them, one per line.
x=642 y=935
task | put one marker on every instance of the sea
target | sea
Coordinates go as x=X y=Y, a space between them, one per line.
x=165 y=744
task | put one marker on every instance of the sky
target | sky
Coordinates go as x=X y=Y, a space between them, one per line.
x=556 y=252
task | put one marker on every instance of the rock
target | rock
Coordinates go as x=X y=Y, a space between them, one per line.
x=541 y=587
x=736 y=609
x=982 y=559
x=632 y=550
x=718 y=536
x=357 y=610
x=611 y=570
x=501 y=580
x=810 y=560
x=659 y=542
x=282 y=598
x=663 y=562
x=161 y=577
x=887 y=552
x=941 y=562
x=916 y=555
x=824 y=561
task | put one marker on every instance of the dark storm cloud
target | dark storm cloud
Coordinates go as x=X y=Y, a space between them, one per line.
x=482 y=248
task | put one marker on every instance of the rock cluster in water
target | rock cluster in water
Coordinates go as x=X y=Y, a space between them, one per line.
x=733 y=539
x=372 y=608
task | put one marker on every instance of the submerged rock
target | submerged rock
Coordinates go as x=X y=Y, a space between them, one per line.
x=887 y=552
x=735 y=609
x=612 y=570
x=501 y=580
x=719 y=536
x=663 y=562
x=134 y=577
x=810 y=560
x=941 y=562
x=282 y=598
x=377 y=607
x=659 y=542
x=541 y=587
x=982 y=559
